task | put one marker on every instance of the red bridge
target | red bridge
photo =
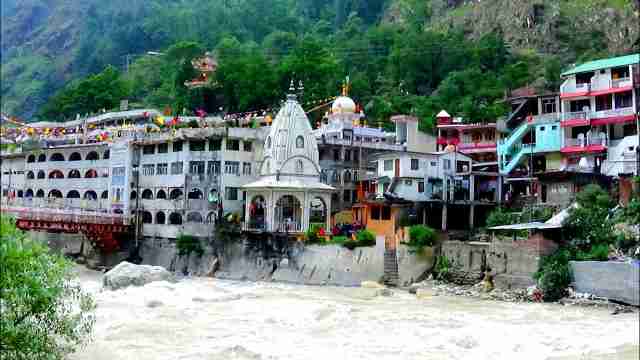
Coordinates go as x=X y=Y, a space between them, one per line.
x=102 y=230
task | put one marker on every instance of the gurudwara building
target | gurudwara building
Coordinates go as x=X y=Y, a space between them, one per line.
x=288 y=197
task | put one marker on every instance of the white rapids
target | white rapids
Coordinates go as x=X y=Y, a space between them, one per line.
x=209 y=319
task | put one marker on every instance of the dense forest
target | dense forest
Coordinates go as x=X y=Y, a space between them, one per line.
x=64 y=57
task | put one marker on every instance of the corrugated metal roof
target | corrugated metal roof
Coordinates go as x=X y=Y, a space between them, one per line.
x=604 y=64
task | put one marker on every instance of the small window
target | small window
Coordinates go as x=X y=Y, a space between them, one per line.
x=233 y=145
x=248 y=146
x=162 y=169
x=177 y=146
x=346 y=196
x=246 y=168
x=163 y=148
x=375 y=213
x=388 y=165
x=148 y=149
x=386 y=213
x=232 y=167
x=176 y=168
x=299 y=166
x=415 y=164
x=408 y=182
x=195 y=145
x=215 y=144
x=541 y=128
x=434 y=163
x=231 y=193
x=446 y=164
x=213 y=168
x=554 y=127
x=148 y=170
x=420 y=186
x=300 y=142
x=196 y=167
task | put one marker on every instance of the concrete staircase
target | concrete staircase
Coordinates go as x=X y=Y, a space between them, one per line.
x=391 y=277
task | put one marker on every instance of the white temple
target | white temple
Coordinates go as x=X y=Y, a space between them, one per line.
x=289 y=196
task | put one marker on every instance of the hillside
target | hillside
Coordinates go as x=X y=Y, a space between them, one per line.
x=48 y=43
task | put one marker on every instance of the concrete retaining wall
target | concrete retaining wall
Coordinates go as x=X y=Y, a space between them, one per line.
x=608 y=279
x=322 y=265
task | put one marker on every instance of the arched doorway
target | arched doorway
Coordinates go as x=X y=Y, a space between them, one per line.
x=318 y=213
x=146 y=217
x=147 y=194
x=55 y=194
x=194 y=218
x=288 y=215
x=73 y=194
x=90 y=195
x=175 y=219
x=257 y=212
x=160 y=218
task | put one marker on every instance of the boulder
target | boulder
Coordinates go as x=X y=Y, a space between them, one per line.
x=424 y=293
x=126 y=274
x=371 y=285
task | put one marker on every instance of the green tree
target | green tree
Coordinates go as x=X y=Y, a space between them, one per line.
x=44 y=315
x=590 y=223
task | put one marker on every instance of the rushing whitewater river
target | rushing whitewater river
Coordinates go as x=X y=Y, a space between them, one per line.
x=213 y=319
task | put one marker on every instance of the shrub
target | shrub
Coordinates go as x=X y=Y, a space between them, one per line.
x=421 y=236
x=187 y=244
x=554 y=275
x=339 y=240
x=312 y=234
x=365 y=238
x=442 y=268
x=500 y=217
x=598 y=252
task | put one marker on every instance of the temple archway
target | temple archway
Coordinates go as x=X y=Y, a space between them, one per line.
x=257 y=212
x=318 y=212
x=288 y=214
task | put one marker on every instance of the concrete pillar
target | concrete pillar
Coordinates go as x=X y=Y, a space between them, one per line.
x=472 y=216
x=499 y=189
x=444 y=217
x=472 y=188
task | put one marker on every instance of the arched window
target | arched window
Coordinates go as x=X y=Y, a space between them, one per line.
x=299 y=166
x=75 y=157
x=147 y=194
x=41 y=174
x=56 y=157
x=56 y=174
x=42 y=158
x=29 y=193
x=211 y=217
x=104 y=195
x=195 y=194
x=194 y=217
x=134 y=195
x=74 y=174
x=90 y=195
x=73 y=194
x=31 y=158
x=175 y=194
x=92 y=156
x=20 y=193
x=161 y=194
x=300 y=142
x=268 y=142
x=55 y=194
x=40 y=193
x=347 y=176
x=90 y=174
x=30 y=175
x=106 y=155
x=175 y=219
x=160 y=218
x=147 y=218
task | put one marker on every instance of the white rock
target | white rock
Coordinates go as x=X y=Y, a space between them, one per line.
x=424 y=293
x=371 y=285
x=126 y=274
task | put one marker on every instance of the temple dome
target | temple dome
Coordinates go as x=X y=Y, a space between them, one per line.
x=343 y=105
x=291 y=148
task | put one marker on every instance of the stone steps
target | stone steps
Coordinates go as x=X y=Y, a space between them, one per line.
x=391 y=277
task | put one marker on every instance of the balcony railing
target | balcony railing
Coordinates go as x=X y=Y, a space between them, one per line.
x=620 y=83
x=570 y=86
x=287 y=226
x=71 y=216
x=576 y=115
x=596 y=140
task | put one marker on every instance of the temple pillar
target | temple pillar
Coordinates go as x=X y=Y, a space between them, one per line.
x=444 y=216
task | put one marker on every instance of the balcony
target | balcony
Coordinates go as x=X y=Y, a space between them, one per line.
x=597 y=118
x=477 y=147
x=576 y=118
x=571 y=89
x=585 y=144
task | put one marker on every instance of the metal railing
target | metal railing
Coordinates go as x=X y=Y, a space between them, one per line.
x=70 y=216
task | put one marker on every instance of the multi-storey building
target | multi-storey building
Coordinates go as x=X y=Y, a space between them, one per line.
x=346 y=147
x=477 y=140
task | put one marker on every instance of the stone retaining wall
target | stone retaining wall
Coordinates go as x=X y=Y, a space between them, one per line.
x=618 y=281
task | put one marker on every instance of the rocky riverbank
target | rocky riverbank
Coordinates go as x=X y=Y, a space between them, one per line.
x=430 y=288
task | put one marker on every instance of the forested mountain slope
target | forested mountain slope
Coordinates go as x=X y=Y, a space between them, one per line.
x=402 y=55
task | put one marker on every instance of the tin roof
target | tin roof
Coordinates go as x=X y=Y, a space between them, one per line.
x=604 y=64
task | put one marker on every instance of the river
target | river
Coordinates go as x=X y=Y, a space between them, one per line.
x=205 y=318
